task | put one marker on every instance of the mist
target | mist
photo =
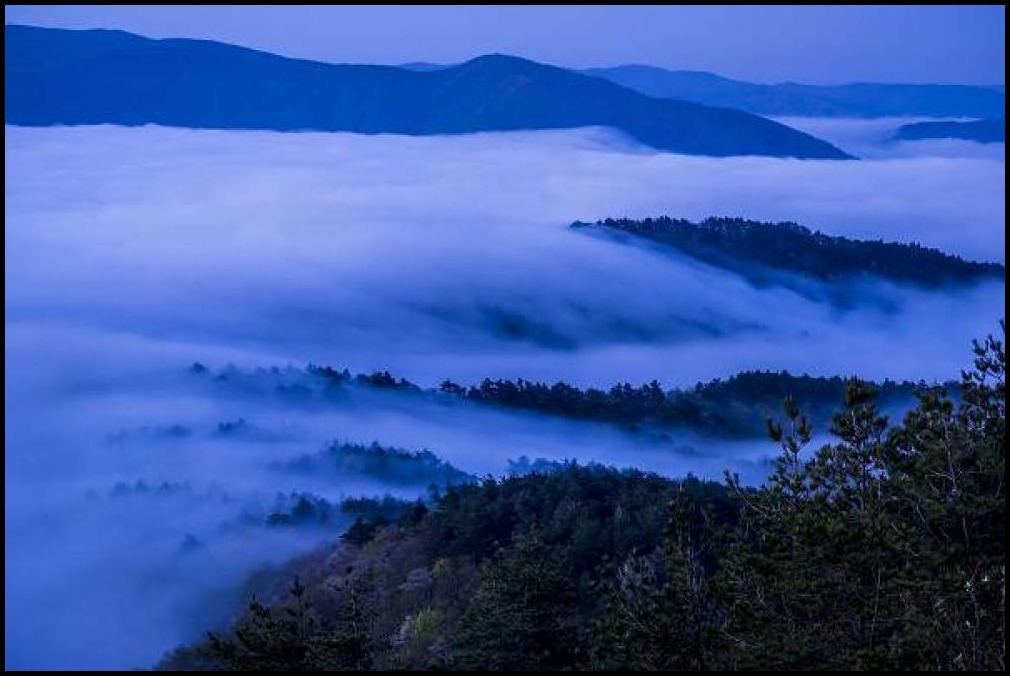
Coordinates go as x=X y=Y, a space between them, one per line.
x=131 y=253
x=874 y=138
x=405 y=253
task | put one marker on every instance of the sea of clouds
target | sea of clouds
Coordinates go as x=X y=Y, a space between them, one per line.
x=131 y=253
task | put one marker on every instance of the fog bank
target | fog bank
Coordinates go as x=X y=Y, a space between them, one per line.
x=131 y=253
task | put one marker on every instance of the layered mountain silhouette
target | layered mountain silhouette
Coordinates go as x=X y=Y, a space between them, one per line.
x=981 y=131
x=55 y=76
x=852 y=100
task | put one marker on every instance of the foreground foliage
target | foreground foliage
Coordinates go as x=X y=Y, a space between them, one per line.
x=884 y=550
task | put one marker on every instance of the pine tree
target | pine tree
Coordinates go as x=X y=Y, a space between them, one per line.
x=523 y=615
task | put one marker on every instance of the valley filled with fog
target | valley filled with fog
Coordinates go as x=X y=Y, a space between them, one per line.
x=133 y=253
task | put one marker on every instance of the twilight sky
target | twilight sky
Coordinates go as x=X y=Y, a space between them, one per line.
x=812 y=44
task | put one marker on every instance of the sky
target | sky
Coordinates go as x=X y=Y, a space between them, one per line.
x=811 y=44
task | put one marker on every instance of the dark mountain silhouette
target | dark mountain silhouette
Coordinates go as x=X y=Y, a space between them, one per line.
x=851 y=100
x=55 y=76
x=982 y=131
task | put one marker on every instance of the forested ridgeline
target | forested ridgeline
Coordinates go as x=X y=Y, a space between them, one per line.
x=747 y=246
x=882 y=550
x=730 y=408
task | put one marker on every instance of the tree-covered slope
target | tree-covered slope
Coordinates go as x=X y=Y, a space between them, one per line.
x=883 y=550
x=752 y=247
x=731 y=408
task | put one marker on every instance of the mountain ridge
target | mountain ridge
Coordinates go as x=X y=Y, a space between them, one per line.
x=980 y=131
x=852 y=99
x=856 y=99
x=55 y=76
x=753 y=248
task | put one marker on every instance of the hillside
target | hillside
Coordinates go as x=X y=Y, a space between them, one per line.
x=754 y=248
x=980 y=131
x=733 y=408
x=855 y=555
x=57 y=76
x=851 y=100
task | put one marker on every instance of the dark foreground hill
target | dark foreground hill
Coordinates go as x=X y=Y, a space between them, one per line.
x=55 y=76
x=884 y=550
x=851 y=100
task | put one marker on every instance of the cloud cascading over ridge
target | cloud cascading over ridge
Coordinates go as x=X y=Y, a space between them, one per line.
x=392 y=252
x=132 y=252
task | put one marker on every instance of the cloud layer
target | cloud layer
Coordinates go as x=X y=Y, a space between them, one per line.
x=390 y=252
x=131 y=253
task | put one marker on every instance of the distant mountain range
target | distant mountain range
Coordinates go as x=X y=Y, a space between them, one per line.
x=864 y=100
x=981 y=131
x=861 y=100
x=54 y=76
